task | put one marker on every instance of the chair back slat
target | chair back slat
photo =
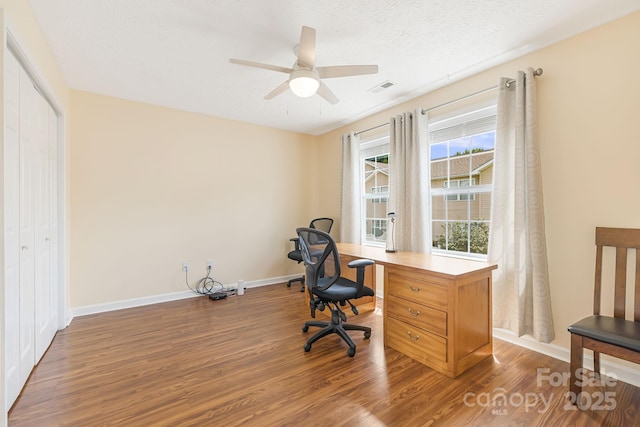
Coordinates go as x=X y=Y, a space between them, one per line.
x=598 y=281
x=618 y=237
x=620 y=283
x=636 y=301
x=622 y=239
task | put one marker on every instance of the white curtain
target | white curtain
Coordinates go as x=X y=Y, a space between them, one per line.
x=521 y=298
x=409 y=182
x=350 y=203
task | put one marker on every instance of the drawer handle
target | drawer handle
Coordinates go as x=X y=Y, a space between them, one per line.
x=416 y=289
x=413 y=337
x=414 y=313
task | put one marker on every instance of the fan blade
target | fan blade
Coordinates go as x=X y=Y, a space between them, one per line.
x=326 y=93
x=277 y=91
x=260 y=65
x=307 y=48
x=345 y=71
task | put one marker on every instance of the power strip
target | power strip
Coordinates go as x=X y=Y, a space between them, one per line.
x=217 y=296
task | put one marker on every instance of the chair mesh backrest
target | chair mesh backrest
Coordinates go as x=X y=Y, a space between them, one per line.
x=320 y=256
x=622 y=239
x=322 y=224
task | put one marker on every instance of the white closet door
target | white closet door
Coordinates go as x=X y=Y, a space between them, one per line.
x=45 y=320
x=28 y=157
x=30 y=231
x=12 y=230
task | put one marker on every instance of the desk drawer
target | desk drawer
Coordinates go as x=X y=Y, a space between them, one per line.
x=416 y=343
x=417 y=314
x=406 y=285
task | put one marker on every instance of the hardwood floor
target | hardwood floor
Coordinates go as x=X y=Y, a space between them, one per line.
x=240 y=361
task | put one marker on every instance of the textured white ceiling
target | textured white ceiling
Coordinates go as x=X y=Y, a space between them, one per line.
x=175 y=53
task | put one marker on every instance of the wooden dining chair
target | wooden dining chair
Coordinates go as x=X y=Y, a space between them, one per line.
x=613 y=335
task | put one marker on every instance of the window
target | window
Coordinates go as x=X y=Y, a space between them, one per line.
x=461 y=160
x=374 y=173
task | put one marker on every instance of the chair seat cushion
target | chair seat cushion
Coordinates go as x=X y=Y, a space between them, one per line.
x=611 y=330
x=342 y=290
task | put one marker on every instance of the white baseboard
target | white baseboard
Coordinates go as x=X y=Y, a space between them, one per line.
x=174 y=296
x=265 y=282
x=608 y=367
x=68 y=317
x=130 y=303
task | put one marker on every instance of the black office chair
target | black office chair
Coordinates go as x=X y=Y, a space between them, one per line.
x=322 y=224
x=327 y=288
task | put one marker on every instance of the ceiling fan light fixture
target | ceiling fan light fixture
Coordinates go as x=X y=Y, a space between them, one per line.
x=304 y=83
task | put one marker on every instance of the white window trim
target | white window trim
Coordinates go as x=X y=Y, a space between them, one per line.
x=368 y=149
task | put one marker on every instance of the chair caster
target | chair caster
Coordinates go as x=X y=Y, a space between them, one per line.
x=367 y=335
x=351 y=352
x=307 y=348
x=305 y=328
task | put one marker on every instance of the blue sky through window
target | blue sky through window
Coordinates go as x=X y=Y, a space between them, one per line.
x=484 y=141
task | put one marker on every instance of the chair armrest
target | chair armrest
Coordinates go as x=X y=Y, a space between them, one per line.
x=360 y=265
x=296 y=241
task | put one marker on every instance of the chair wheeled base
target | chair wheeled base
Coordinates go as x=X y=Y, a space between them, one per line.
x=336 y=326
x=297 y=279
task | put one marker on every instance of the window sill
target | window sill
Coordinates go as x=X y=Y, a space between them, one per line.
x=471 y=257
x=375 y=245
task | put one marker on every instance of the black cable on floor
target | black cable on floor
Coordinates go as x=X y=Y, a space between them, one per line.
x=206 y=285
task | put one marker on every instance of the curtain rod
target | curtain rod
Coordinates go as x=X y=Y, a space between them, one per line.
x=536 y=73
x=370 y=129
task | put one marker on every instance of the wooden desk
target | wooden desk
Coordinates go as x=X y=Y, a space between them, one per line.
x=437 y=310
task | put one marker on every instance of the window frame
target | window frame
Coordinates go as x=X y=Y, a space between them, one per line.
x=459 y=196
x=375 y=147
x=384 y=189
x=459 y=119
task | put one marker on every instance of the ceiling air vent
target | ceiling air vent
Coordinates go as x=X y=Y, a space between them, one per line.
x=382 y=86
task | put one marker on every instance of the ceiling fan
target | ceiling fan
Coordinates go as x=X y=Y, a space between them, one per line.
x=304 y=77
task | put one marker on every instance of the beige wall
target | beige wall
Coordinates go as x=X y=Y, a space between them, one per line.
x=589 y=106
x=152 y=187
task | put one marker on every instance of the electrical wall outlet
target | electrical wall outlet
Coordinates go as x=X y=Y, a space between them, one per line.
x=209 y=263
x=185 y=266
